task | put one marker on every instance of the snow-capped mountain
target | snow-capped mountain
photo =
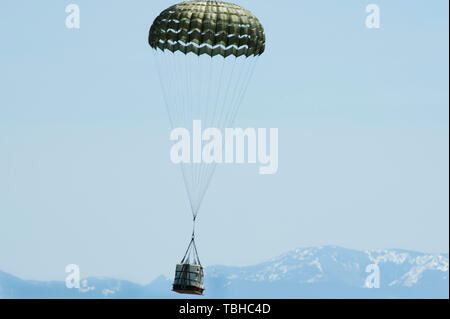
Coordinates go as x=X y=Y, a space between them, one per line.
x=316 y=272
x=335 y=272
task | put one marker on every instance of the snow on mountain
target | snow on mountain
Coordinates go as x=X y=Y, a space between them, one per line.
x=315 y=272
x=341 y=272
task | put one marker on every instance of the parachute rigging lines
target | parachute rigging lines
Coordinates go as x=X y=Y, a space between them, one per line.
x=205 y=53
x=206 y=89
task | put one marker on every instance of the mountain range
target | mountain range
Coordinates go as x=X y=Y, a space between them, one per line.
x=314 y=272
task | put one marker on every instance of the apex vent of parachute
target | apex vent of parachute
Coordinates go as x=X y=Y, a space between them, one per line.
x=208 y=27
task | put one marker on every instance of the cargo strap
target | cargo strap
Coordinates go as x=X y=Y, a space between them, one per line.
x=191 y=255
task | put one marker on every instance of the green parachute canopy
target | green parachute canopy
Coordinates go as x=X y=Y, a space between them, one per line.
x=208 y=27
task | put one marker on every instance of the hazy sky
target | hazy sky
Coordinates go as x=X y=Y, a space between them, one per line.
x=85 y=174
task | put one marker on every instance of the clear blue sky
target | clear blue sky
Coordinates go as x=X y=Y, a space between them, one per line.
x=85 y=175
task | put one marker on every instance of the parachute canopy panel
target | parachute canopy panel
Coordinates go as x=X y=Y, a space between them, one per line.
x=208 y=27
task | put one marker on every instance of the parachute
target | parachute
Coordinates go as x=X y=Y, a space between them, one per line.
x=205 y=53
